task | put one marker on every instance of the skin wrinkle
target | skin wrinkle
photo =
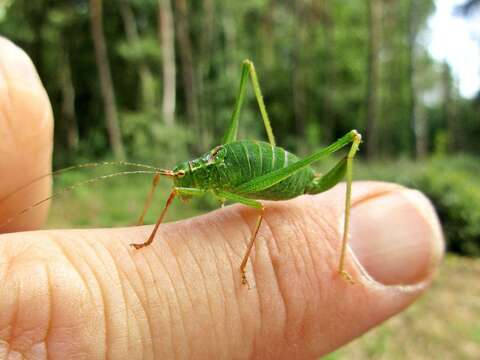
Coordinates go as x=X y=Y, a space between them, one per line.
x=314 y=284
x=4 y=349
x=209 y=300
x=177 y=300
x=128 y=310
x=222 y=290
x=308 y=251
x=123 y=286
x=20 y=336
x=60 y=248
x=301 y=271
x=102 y=298
x=117 y=281
x=182 y=276
x=276 y=266
x=235 y=266
x=14 y=317
x=50 y=310
x=227 y=246
x=207 y=295
x=147 y=299
x=170 y=311
x=330 y=233
x=312 y=306
x=245 y=233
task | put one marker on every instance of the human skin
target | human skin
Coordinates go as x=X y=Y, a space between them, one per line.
x=88 y=294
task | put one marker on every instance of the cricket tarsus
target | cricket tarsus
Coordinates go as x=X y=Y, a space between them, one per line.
x=159 y=221
x=246 y=171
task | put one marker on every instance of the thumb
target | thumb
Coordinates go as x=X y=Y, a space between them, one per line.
x=26 y=127
x=66 y=293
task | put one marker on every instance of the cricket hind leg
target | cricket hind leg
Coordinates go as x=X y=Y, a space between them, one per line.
x=248 y=69
x=343 y=169
x=257 y=205
x=175 y=191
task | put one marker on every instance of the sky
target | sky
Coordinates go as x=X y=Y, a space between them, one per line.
x=456 y=40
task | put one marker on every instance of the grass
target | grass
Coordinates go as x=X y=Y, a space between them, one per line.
x=444 y=323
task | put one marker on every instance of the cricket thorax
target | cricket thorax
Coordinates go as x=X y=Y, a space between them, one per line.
x=201 y=173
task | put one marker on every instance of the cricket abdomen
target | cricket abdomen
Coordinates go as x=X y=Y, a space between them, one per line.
x=246 y=160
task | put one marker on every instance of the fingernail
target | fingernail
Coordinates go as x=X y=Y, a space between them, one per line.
x=397 y=237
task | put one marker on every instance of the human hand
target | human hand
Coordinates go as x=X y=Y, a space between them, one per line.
x=86 y=293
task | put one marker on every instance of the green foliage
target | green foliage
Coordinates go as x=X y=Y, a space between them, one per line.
x=454 y=188
x=311 y=58
x=152 y=141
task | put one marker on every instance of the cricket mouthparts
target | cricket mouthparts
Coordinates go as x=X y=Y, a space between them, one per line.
x=166 y=172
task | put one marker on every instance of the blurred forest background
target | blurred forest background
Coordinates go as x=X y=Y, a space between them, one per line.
x=154 y=81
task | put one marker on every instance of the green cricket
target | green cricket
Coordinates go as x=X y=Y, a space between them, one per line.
x=241 y=171
x=246 y=171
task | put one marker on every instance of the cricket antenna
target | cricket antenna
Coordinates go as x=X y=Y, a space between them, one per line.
x=64 y=190
x=80 y=166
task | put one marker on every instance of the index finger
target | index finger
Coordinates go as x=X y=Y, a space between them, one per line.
x=26 y=138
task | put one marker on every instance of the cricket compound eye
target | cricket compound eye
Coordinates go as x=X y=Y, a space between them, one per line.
x=180 y=173
x=217 y=153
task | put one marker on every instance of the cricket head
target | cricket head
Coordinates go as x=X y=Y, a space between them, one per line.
x=197 y=173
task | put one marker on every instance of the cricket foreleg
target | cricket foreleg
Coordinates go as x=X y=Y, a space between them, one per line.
x=257 y=205
x=148 y=201
x=176 y=191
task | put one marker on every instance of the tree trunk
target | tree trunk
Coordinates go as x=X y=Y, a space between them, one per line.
x=418 y=120
x=449 y=109
x=167 y=39
x=204 y=89
x=106 y=84
x=267 y=35
x=68 y=101
x=298 y=83
x=133 y=39
x=188 y=73
x=374 y=19
x=328 y=113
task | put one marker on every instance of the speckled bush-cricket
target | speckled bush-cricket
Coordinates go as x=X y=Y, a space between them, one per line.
x=246 y=171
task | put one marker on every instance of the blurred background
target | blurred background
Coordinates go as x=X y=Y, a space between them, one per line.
x=154 y=81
